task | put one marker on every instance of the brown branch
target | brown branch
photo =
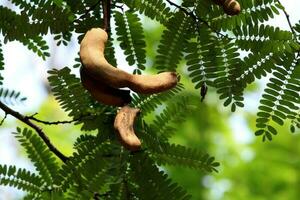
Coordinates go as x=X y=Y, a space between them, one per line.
x=106 y=5
x=196 y=18
x=287 y=18
x=57 y=122
x=40 y=132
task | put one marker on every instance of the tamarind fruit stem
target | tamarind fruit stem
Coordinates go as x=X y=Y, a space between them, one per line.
x=102 y=92
x=123 y=125
x=92 y=57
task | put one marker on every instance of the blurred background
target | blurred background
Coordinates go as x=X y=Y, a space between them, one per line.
x=250 y=169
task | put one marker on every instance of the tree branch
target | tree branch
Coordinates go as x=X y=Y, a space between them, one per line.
x=287 y=18
x=195 y=18
x=57 y=122
x=40 y=132
x=106 y=5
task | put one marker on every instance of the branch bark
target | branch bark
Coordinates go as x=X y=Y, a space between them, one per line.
x=106 y=5
x=24 y=119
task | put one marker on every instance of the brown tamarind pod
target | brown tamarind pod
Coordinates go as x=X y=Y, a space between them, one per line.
x=103 y=93
x=231 y=7
x=123 y=125
x=92 y=57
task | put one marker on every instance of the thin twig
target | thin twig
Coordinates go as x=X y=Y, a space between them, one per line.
x=40 y=132
x=87 y=11
x=195 y=18
x=57 y=122
x=2 y=121
x=287 y=18
x=120 y=7
x=106 y=5
x=182 y=9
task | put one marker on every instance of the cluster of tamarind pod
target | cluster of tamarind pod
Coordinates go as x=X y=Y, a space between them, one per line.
x=230 y=7
x=104 y=81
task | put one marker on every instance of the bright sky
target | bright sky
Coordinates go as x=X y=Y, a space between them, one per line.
x=24 y=72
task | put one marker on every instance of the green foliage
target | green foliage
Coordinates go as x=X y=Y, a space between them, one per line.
x=153 y=184
x=256 y=66
x=174 y=39
x=39 y=154
x=173 y=113
x=20 y=178
x=66 y=86
x=171 y=154
x=201 y=59
x=154 y=9
x=281 y=98
x=130 y=32
x=252 y=12
x=1 y=63
x=148 y=103
x=261 y=38
x=11 y=97
x=224 y=52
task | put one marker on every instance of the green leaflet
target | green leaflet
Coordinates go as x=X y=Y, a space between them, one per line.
x=173 y=113
x=73 y=98
x=264 y=39
x=170 y=154
x=202 y=59
x=20 y=178
x=226 y=82
x=173 y=42
x=256 y=66
x=281 y=98
x=65 y=86
x=130 y=34
x=148 y=103
x=251 y=12
x=154 y=9
x=11 y=97
x=39 y=154
x=154 y=184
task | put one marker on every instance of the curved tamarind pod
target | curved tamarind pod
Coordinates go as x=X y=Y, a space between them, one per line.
x=231 y=7
x=123 y=125
x=103 y=93
x=149 y=84
x=92 y=57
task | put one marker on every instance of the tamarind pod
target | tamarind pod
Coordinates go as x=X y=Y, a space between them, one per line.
x=149 y=84
x=103 y=93
x=123 y=125
x=92 y=57
x=231 y=7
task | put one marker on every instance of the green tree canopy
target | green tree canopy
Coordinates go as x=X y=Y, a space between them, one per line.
x=207 y=48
